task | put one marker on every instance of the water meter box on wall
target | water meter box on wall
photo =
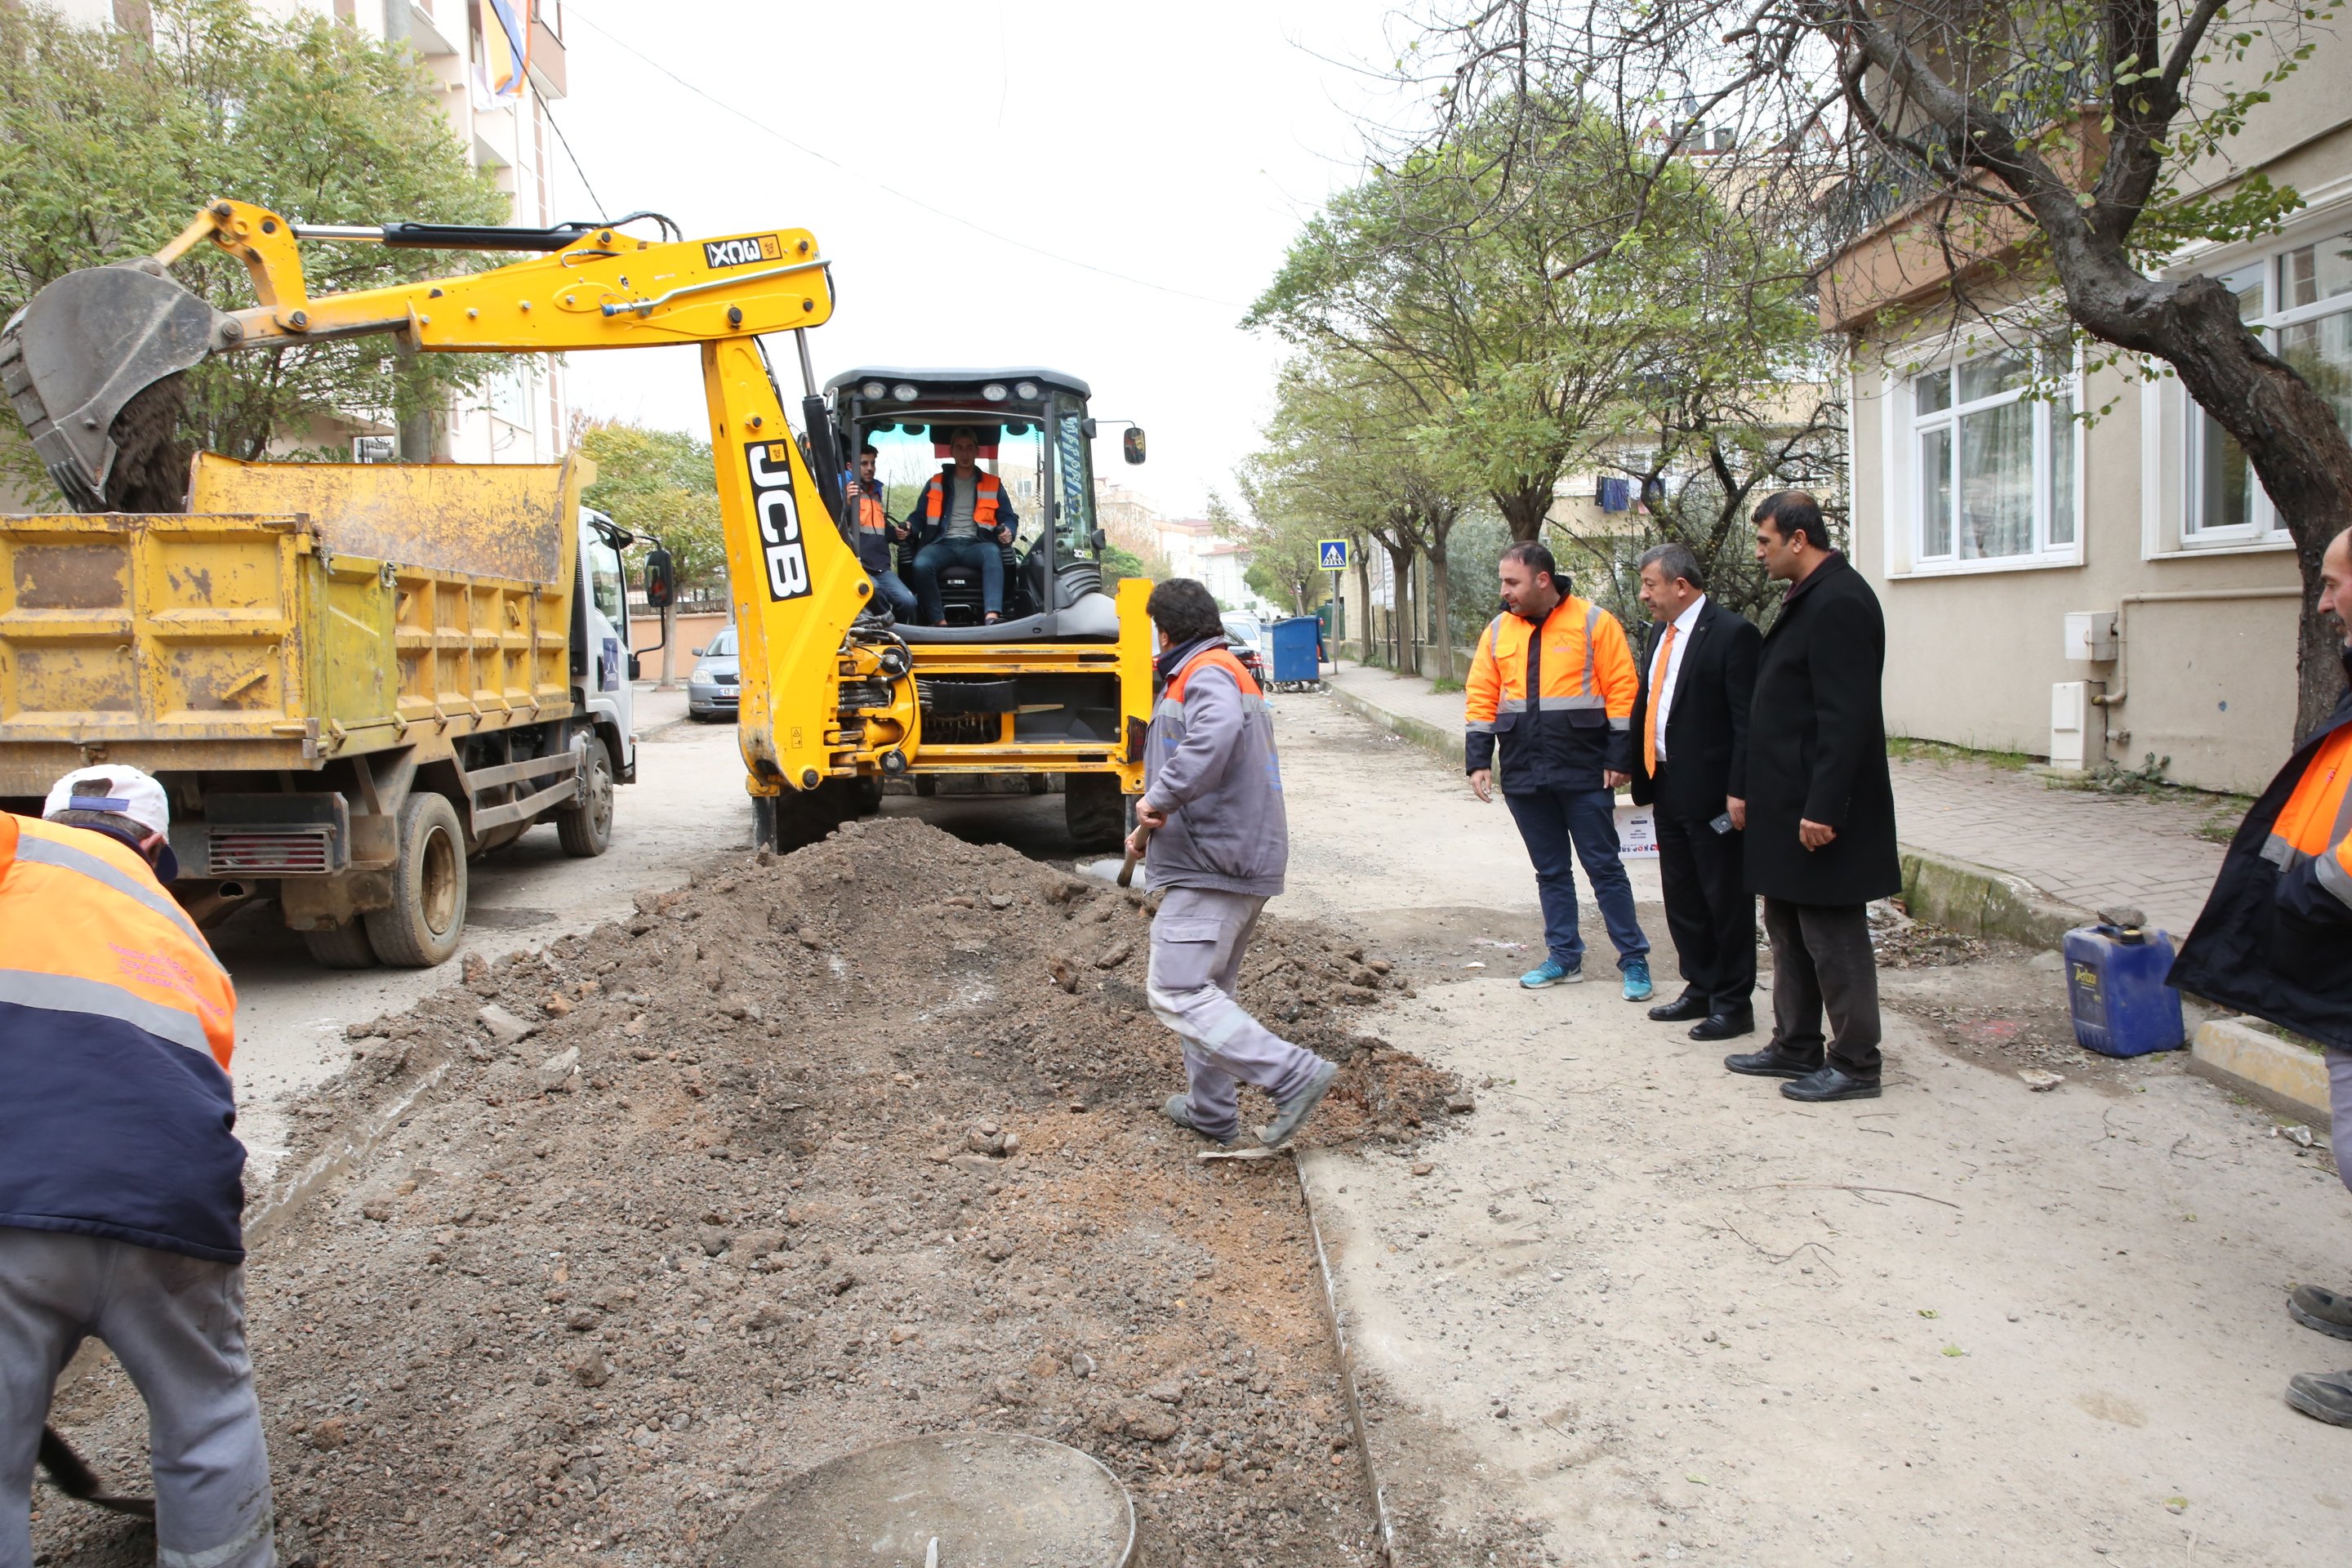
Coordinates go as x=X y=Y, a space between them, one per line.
x=2115 y=989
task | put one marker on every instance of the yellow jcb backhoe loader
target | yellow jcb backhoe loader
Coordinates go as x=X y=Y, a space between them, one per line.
x=834 y=699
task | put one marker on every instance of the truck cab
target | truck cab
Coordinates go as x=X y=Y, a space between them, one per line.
x=603 y=665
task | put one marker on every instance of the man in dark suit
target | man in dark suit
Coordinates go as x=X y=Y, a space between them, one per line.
x=1818 y=809
x=1690 y=758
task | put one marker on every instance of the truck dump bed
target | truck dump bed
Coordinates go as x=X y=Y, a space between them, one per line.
x=298 y=612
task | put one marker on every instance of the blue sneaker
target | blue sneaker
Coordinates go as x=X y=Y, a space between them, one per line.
x=1637 y=980
x=1551 y=971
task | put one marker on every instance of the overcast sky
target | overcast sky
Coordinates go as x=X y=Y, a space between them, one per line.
x=1181 y=146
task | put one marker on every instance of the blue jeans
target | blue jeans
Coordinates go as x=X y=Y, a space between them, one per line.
x=895 y=593
x=1555 y=824
x=944 y=552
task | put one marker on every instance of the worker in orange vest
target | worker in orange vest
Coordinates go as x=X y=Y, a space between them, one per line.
x=121 y=1184
x=1552 y=688
x=2275 y=941
x=964 y=518
x=869 y=507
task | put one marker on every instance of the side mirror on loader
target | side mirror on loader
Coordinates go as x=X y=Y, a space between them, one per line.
x=661 y=579
x=1131 y=445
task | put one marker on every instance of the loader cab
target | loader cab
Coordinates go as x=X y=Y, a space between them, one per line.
x=1036 y=436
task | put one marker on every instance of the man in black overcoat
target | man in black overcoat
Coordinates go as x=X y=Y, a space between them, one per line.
x=1819 y=812
x=1690 y=758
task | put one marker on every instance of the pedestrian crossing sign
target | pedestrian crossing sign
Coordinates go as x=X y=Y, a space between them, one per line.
x=1333 y=553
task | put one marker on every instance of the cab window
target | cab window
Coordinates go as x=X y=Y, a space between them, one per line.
x=605 y=581
x=910 y=450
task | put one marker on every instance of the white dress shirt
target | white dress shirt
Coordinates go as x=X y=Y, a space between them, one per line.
x=1662 y=682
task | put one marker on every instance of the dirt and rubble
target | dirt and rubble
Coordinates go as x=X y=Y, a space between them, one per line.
x=815 y=1153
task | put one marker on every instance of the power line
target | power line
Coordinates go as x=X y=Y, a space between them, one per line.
x=565 y=142
x=575 y=14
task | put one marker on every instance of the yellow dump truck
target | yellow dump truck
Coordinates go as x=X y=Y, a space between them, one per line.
x=349 y=678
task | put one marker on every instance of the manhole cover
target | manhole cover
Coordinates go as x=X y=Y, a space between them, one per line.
x=991 y=1499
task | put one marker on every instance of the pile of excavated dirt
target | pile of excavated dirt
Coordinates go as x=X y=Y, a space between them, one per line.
x=817 y=1153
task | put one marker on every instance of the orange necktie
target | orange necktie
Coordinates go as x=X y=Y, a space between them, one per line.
x=1657 y=689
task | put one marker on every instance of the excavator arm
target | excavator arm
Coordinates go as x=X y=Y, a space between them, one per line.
x=816 y=702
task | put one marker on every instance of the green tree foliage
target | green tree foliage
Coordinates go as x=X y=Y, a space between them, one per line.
x=1517 y=297
x=109 y=143
x=661 y=482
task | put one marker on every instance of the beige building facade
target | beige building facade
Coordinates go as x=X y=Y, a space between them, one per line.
x=2112 y=587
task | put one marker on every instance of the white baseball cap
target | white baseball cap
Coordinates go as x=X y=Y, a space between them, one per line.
x=124 y=791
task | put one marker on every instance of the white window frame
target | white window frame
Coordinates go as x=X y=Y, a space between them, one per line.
x=1906 y=425
x=2263 y=528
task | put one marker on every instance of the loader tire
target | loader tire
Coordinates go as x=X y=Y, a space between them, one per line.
x=428 y=918
x=1093 y=809
x=927 y=784
x=345 y=947
x=586 y=829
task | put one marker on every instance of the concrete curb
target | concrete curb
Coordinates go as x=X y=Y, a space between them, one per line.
x=1427 y=736
x=1977 y=901
x=1338 y=1318
x=2290 y=1079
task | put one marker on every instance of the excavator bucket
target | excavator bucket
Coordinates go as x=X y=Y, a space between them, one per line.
x=83 y=348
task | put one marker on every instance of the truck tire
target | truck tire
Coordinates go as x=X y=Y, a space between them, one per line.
x=1093 y=809
x=345 y=947
x=428 y=918
x=586 y=829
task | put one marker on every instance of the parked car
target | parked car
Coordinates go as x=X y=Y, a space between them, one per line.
x=1241 y=636
x=711 y=692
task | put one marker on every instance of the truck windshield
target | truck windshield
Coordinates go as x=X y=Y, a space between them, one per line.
x=605 y=581
x=909 y=451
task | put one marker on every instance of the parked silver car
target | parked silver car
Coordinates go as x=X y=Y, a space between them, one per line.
x=710 y=691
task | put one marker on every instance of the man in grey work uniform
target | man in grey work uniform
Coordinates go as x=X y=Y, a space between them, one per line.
x=1211 y=830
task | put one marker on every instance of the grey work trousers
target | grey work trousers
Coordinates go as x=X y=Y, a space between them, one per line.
x=1821 y=959
x=1198 y=941
x=177 y=1325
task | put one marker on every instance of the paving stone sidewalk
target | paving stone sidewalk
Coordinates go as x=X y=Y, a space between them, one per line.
x=2081 y=846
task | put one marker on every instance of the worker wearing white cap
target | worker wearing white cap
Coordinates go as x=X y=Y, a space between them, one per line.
x=121 y=1183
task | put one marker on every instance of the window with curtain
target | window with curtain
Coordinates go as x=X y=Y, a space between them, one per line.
x=1995 y=465
x=2299 y=301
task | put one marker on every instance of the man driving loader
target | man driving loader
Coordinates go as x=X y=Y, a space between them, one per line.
x=962 y=520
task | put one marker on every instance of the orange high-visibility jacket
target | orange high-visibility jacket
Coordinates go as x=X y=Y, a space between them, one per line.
x=987 y=499
x=2275 y=937
x=1577 y=721
x=116 y=1024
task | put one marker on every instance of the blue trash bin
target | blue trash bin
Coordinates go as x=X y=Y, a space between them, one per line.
x=1296 y=643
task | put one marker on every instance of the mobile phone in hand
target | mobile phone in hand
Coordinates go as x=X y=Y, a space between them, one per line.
x=1722 y=823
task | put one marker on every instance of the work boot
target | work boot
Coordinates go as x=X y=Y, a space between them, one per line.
x=1178 y=1110
x=1290 y=1112
x=1830 y=1083
x=2323 y=1310
x=1551 y=971
x=2321 y=1396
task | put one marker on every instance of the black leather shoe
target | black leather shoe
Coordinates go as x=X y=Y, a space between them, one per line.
x=1769 y=1063
x=1723 y=1026
x=1830 y=1083
x=1689 y=1004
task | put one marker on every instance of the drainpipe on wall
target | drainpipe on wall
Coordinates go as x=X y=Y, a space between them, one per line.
x=2182 y=596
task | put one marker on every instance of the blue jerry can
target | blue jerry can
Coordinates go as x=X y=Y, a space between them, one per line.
x=2115 y=989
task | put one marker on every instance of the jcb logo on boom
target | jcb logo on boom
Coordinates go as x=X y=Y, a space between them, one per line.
x=773 y=503
x=742 y=252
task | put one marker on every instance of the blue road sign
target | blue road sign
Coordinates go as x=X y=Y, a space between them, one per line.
x=1333 y=553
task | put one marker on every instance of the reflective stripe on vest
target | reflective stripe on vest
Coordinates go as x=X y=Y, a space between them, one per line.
x=985 y=489
x=2317 y=818
x=1222 y=657
x=85 y=928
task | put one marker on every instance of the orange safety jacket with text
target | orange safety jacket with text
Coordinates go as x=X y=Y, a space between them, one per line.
x=1576 y=723
x=2275 y=937
x=117 y=1025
